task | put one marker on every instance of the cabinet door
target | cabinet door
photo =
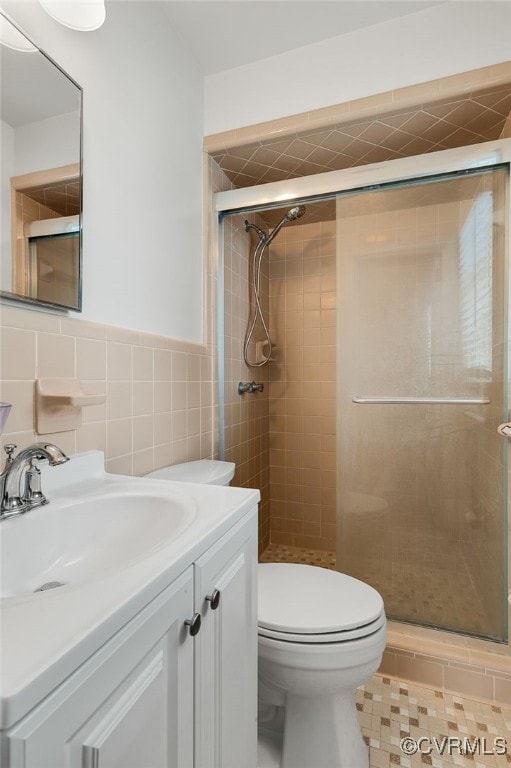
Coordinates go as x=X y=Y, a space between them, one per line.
x=226 y=652
x=129 y=706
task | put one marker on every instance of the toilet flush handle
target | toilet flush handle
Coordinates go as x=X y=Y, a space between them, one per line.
x=214 y=599
x=504 y=429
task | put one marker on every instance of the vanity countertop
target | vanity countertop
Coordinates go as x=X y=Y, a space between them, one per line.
x=45 y=636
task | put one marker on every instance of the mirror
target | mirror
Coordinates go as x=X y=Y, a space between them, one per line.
x=41 y=176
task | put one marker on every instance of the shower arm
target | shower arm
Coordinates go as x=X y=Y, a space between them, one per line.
x=262 y=235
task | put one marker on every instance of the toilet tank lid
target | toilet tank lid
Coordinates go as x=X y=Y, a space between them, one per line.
x=205 y=471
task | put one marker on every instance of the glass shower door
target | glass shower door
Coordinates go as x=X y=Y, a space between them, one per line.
x=421 y=389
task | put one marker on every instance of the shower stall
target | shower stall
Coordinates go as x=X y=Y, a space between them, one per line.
x=374 y=441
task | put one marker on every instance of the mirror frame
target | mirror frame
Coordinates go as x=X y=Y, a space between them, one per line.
x=8 y=297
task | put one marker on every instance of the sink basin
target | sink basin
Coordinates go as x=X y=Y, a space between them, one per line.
x=117 y=544
x=68 y=543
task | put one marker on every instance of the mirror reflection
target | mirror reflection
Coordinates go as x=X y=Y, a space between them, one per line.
x=40 y=113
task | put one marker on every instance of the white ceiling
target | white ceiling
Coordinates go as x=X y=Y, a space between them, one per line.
x=224 y=34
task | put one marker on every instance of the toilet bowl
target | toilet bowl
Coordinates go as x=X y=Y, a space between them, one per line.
x=321 y=635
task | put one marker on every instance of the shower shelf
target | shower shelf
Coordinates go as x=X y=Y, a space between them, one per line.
x=421 y=400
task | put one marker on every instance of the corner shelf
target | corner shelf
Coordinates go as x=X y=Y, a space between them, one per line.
x=59 y=403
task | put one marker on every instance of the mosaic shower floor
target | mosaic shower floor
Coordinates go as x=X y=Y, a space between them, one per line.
x=276 y=553
x=410 y=725
x=402 y=585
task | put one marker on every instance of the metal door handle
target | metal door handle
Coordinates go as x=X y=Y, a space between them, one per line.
x=214 y=599
x=505 y=429
x=420 y=400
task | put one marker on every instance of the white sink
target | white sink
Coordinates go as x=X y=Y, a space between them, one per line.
x=114 y=543
x=72 y=542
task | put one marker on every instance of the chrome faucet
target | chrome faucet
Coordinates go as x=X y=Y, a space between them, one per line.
x=251 y=387
x=16 y=499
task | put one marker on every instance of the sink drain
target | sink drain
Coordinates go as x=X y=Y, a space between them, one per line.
x=49 y=585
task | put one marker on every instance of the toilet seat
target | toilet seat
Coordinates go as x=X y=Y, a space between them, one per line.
x=343 y=636
x=306 y=604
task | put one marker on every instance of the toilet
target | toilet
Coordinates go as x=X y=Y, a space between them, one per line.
x=321 y=634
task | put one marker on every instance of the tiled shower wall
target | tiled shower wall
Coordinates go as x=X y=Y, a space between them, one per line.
x=302 y=386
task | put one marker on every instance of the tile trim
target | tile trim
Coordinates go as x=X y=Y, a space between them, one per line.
x=379 y=104
x=485 y=670
x=19 y=317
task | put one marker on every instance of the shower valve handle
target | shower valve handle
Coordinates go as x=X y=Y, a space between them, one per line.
x=250 y=387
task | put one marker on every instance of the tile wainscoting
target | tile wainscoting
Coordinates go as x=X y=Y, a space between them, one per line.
x=159 y=391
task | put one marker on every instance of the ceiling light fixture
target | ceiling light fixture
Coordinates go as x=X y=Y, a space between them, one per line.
x=80 y=15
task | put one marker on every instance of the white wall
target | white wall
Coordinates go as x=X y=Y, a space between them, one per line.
x=142 y=142
x=437 y=42
x=47 y=143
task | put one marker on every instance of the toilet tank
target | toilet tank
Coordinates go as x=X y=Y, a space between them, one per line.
x=205 y=471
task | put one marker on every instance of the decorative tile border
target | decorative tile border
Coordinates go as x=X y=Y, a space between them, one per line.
x=377 y=105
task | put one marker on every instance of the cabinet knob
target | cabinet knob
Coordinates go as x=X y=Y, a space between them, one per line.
x=214 y=599
x=194 y=624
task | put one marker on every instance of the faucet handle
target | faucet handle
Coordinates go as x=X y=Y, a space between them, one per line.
x=33 y=494
x=10 y=448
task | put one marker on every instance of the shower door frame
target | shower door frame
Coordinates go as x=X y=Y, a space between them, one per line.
x=330 y=184
x=280 y=193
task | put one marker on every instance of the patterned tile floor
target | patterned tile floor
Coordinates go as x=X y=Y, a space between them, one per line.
x=445 y=730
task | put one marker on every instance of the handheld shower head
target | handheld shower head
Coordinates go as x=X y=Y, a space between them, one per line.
x=264 y=241
x=295 y=213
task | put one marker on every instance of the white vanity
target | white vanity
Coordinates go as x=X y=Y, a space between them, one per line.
x=105 y=671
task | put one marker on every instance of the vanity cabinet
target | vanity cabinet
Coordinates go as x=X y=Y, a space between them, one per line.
x=154 y=696
x=226 y=652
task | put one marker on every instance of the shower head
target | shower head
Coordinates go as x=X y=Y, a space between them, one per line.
x=295 y=213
